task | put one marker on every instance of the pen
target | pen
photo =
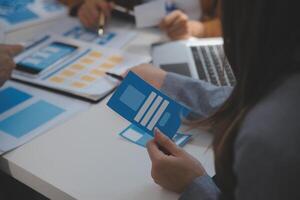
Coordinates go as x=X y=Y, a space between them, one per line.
x=115 y=76
x=101 y=24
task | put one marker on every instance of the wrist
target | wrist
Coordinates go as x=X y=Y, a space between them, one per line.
x=197 y=29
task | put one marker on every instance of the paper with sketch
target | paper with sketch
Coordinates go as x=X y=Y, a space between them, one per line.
x=27 y=112
x=72 y=66
x=113 y=38
x=15 y=14
x=150 y=14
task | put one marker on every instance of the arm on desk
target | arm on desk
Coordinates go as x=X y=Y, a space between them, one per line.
x=202 y=97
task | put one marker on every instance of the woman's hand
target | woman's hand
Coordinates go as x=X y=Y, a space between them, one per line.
x=90 y=11
x=178 y=26
x=153 y=75
x=6 y=61
x=172 y=167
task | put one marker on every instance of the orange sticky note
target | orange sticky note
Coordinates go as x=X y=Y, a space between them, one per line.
x=97 y=72
x=87 y=61
x=77 y=67
x=68 y=73
x=88 y=78
x=107 y=65
x=116 y=59
x=95 y=54
x=78 y=84
x=57 y=79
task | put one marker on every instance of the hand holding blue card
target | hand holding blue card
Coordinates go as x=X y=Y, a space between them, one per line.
x=146 y=107
x=139 y=137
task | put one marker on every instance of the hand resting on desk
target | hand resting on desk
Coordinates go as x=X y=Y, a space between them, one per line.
x=6 y=60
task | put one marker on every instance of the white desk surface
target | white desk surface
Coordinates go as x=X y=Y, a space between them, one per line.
x=85 y=158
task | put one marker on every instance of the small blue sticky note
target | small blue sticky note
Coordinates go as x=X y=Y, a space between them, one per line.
x=141 y=138
x=147 y=107
x=81 y=33
x=11 y=97
x=107 y=38
x=30 y=118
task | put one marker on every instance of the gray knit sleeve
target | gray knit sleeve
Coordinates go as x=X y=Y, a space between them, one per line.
x=201 y=97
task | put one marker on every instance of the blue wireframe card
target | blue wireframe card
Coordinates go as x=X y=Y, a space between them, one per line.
x=139 y=137
x=146 y=107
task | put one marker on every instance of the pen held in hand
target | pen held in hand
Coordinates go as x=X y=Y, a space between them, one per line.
x=101 y=24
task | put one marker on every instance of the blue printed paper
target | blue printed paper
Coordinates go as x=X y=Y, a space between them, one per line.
x=147 y=107
x=18 y=13
x=11 y=97
x=29 y=118
x=139 y=137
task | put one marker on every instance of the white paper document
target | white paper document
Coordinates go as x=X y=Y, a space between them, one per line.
x=27 y=112
x=150 y=14
x=74 y=67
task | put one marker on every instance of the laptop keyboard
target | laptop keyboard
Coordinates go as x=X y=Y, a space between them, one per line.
x=212 y=65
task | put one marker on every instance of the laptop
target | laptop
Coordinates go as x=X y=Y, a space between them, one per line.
x=202 y=59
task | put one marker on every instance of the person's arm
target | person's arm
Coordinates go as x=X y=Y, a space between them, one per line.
x=202 y=188
x=209 y=28
x=178 y=26
x=211 y=19
x=202 y=97
x=176 y=170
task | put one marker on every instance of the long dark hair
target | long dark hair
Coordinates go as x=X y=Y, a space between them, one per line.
x=260 y=41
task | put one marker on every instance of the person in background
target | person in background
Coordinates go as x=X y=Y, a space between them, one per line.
x=7 y=52
x=176 y=25
x=256 y=130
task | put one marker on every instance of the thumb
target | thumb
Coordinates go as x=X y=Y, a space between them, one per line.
x=166 y=143
x=13 y=49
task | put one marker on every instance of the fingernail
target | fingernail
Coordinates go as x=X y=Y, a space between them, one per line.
x=159 y=134
x=156 y=131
